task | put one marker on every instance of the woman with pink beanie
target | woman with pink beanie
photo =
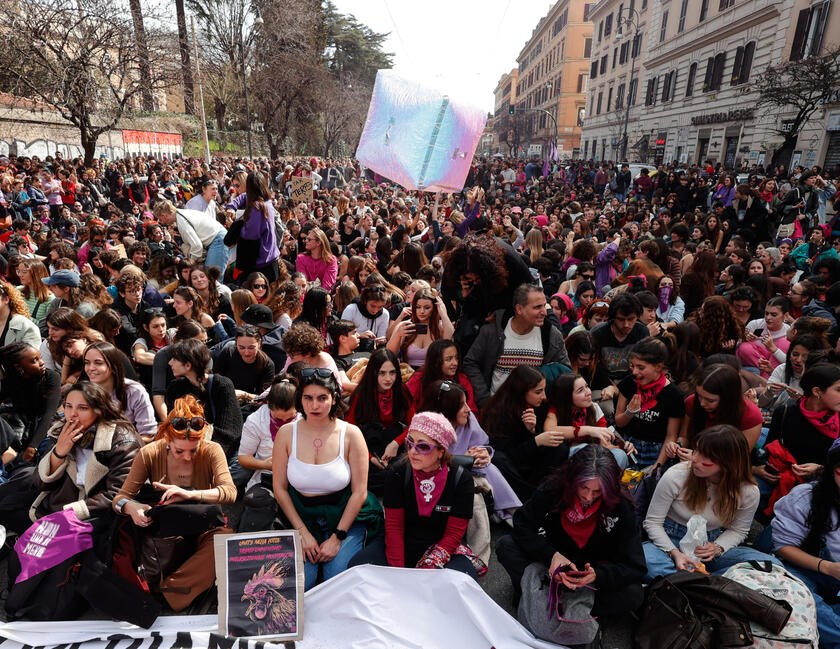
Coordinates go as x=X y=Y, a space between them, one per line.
x=428 y=504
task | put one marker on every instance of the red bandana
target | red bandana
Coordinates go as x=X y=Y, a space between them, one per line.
x=648 y=392
x=578 y=416
x=386 y=403
x=579 y=524
x=825 y=421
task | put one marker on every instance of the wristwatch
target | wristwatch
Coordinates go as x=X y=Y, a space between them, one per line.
x=122 y=502
x=340 y=534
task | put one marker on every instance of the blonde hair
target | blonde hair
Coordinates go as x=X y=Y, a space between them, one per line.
x=326 y=253
x=16 y=304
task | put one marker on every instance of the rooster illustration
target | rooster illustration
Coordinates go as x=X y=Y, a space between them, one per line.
x=274 y=613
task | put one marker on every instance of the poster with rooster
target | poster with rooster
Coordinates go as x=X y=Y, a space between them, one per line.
x=260 y=578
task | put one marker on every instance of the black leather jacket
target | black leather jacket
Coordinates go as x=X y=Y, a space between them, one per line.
x=689 y=609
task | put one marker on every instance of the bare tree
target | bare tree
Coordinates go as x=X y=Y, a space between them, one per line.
x=146 y=96
x=184 y=49
x=799 y=87
x=343 y=112
x=81 y=58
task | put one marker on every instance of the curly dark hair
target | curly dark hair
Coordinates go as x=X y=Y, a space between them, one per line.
x=303 y=338
x=717 y=323
x=480 y=255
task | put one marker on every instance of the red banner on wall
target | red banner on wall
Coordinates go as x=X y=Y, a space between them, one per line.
x=151 y=137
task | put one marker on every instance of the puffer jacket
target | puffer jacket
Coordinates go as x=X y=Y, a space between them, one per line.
x=689 y=609
x=114 y=448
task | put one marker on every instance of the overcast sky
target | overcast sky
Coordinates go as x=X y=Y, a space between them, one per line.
x=460 y=46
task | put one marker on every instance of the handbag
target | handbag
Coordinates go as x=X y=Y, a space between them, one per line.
x=786 y=230
x=553 y=614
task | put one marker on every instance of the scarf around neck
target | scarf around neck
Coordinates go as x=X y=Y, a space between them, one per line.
x=580 y=524
x=428 y=488
x=579 y=416
x=825 y=421
x=649 y=392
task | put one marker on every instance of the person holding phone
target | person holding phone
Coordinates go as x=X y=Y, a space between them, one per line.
x=581 y=521
x=716 y=484
x=428 y=321
x=763 y=337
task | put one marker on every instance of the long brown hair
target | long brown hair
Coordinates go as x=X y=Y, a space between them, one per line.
x=434 y=319
x=37 y=272
x=726 y=446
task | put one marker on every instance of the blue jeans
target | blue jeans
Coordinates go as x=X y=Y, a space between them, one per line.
x=619 y=455
x=659 y=563
x=218 y=253
x=828 y=615
x=349 y=548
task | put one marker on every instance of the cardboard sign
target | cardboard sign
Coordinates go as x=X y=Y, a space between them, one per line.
x=261 y=584
x=301 y=189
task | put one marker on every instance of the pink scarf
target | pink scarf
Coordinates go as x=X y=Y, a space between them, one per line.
x=825 y=421
x=428 y=488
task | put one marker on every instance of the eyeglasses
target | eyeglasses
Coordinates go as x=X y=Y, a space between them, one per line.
x=181 y=424
x=423 y=448
x=590 y=277
x=260 y=286
x=309 y=372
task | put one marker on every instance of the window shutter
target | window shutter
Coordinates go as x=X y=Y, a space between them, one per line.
x=710 y=68
x=746 y=64
x=593 y=73
x=736 y=67
x=673 y=85
x=799 y=36
x=692 y=76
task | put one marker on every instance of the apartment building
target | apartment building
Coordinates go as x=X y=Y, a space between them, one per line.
x=620 y=35
x=552 y=75
x=696 y=100
x=503 y=97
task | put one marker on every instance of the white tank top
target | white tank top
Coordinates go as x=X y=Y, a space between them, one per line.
x=317 y=479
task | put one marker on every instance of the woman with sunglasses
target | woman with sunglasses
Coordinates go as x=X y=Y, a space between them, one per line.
x=189 y=360
x=181 y=466
x=450 y=400
x=103 y=366
x=259 y=286
x=428 y=504
x=320 y=471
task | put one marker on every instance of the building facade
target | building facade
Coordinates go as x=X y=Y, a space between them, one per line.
x=553 y=71
x=620 y=35
x=696 y=100
x=504 y=97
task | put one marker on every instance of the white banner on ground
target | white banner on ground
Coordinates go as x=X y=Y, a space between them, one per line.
x=368 y=607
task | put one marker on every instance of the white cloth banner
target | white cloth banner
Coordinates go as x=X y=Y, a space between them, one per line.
x=367 y=607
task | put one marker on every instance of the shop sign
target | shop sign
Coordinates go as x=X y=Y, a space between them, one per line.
x=734 y=115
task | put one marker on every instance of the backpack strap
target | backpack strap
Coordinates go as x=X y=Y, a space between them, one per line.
x=761 y=566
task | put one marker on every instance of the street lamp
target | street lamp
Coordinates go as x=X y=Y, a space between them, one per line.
x=633 y=19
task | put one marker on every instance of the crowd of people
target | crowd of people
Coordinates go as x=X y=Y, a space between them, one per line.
x=388 y=371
